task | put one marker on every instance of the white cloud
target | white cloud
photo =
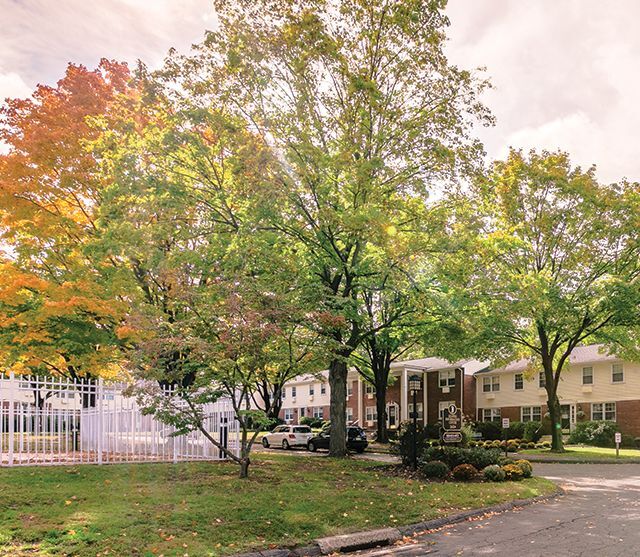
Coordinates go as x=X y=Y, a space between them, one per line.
x=13 y=86
x=566 y=75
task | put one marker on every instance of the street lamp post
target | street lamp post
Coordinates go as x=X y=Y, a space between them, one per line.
x=415 y=382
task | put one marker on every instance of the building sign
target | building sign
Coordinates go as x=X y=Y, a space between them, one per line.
x=452 y=437
x=505 y=423
x=452 y=419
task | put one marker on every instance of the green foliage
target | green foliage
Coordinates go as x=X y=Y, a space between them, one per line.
x=489 y=430
x=532 y=431
x=434 y=469
x=597 y=433
x=464 y=472
x=404 y=447
x=312 y=422
x=453 y=456
x=494 y=473
x=516 y=430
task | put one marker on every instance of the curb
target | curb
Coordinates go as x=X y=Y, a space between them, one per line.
x=582 y=461
x=388 y=536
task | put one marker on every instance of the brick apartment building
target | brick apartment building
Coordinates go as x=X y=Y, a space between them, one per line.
x=596 y=386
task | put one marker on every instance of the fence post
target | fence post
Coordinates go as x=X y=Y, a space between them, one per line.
x=100 y=427
x=12 y=416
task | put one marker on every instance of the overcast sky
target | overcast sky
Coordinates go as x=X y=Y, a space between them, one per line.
x=566 y=72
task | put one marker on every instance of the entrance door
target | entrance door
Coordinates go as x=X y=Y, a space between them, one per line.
x=392 y=415
x=568 y=415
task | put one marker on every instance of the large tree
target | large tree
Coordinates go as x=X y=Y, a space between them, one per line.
x=553 y=262
x=57 y=313
x=364 y=112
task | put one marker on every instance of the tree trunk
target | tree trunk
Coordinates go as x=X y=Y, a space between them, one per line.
x=381 y=407
x=556 y=424
x=244 y=467
x=338 y=408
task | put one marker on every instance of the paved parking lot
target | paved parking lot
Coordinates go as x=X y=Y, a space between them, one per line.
x=599 y=516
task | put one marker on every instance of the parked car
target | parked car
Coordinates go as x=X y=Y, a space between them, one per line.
x=287 y=436
x=356 y=439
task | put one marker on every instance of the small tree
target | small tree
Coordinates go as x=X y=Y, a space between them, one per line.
x=555 y=264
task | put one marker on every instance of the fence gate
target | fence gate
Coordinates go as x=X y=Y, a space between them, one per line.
x=58 y=421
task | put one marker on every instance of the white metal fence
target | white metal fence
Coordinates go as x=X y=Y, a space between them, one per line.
x=58 y=421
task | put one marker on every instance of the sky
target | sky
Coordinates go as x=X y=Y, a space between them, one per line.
x=565 y=72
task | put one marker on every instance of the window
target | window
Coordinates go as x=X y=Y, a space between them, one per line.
x=312 y=389
x=323 y=388
x=318 y=413
x=443 y=408
x=293 y=392
x=419 y=407
x=531 y=413
x=490 y=384
x=349 y=389
x=490 y=414
x=603 y=411
x=518 y=382
x=288 y=414
x=587 y=375
x=349 y=415
x=302 y=412
x=370 y=389
x=617 y=373
x=447 y=378
x=371 y=414
x=542 y=382
x=283 y=393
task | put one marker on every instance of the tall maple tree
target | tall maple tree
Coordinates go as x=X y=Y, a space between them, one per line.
x=59 y=315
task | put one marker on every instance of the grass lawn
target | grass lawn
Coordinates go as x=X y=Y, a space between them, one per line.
x=203 y=509
x=580 y=452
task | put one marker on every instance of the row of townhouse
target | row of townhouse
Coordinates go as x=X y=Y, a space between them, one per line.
x=596 y=386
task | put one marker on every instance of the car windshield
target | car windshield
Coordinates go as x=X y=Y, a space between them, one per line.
x=302 y=429
x=354 y=432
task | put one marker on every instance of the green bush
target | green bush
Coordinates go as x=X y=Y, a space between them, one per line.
x=516 y=430
x=311 y=422
x=494 y=473
x=597 y=433
x=453 y=456
x=525 y=466
x=532 y=431
x=488 y=430
x=434 y=469
x=404 y=447
x=513 y=472
x=464 y=472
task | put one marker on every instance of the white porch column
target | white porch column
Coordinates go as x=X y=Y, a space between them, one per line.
x=404 y=405
x=424 y=398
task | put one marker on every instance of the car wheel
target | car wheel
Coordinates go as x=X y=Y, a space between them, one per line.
x=285 y=445
x=265 y=442
x=360 y=450
x=312 y=446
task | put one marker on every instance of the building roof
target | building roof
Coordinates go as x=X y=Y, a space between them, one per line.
x=590 y=354
x=433 y=364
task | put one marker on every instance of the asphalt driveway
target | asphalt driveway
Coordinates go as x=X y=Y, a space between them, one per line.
x=598 y=516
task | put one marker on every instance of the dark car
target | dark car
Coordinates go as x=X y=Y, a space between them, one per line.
x=356 y=439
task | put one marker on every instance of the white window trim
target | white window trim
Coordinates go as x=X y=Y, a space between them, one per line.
x=448 y=377
x=514 y=382
x=604 y=411
x=373 y=416
x=622 y=368
x=592 y=375
x=532 y=414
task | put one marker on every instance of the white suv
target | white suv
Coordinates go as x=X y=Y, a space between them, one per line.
x=287 y=436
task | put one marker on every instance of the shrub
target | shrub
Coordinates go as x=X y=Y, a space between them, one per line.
x=312 y=422
x=516 y=430
x=453 y=456
x=600 y=434
x=525 y=466
x=513 y=472
x=532 y=431
x=434 y=469
x=488 y=430
x=404 y=447
x=464 y=472
x=494 y=473
x=473 y=444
